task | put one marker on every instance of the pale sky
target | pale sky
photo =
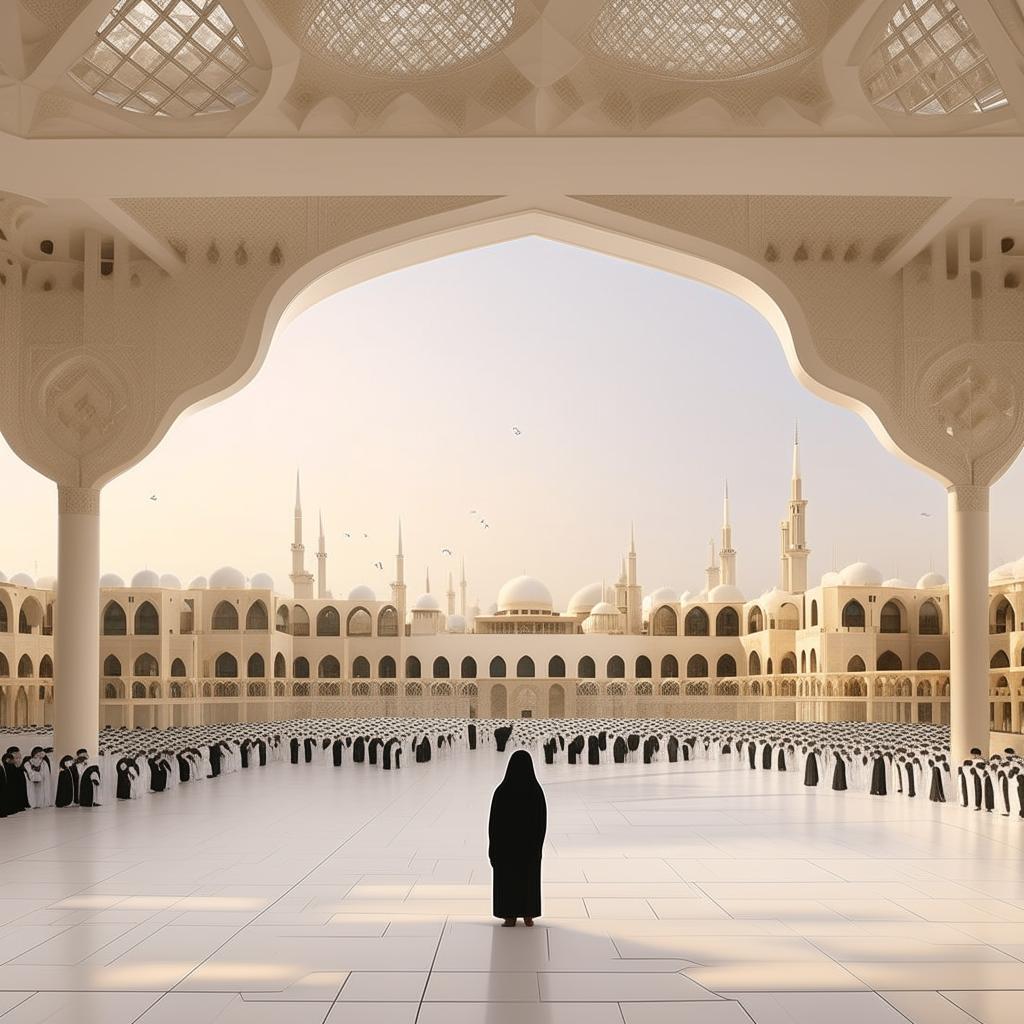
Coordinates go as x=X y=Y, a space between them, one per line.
x=636 y=393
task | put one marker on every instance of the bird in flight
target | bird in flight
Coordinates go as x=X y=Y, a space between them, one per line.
x=152 y=497
x=378 y=565
x=446 y=551
x=365 y=535
x=927 y=515
x=349 y=535
x=516 y=431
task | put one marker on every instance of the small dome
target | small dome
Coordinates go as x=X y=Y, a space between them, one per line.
x=362 y=593
x=262 y=581
x=771 y=601
x=524 y=592
x=896 y=584
x=47 y=583
x=725 y=593
x=146 y=578
x=199 y=583
x=830 y=579
x=696 y=598
x=426 y=603
x=111 y=579
x=931 y=579
x=584 y=599
x=456 y=624
x=604 y=608
x=663 y=595
x=860 y=574
x=227 y=578
x=169 y=581
x=684 y=597
x=22 y=579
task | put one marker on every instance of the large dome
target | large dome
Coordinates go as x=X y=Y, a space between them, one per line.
x=227 y=578
x=725 y=593
x=170 y=582
x=22 y=579
x=663 y=595
x=604 y=608
x=427 y=603
x=362 y=593
x=111 y=579
x=199 y=583
x=456 y=624
x=262 y=581
x=772 y=600
x=931 y=579
x=146 y=578
x=525 y=593
x=860 y=574
x=584 y=599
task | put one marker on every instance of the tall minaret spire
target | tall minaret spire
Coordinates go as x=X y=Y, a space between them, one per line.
x=451 y=594
x=302 y=581
x=727 y=552
x=794 y=529
x=462 y=590
x=398 y=591
x=321 y=564
x=634 y=598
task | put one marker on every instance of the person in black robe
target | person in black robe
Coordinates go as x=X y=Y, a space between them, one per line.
x=550 y=747
x=501 y=737
x=575 y=749
x=65 y=782
x=157 y=775
x=337 y=747
x=879 y=784
x=293 y=748
x=392 y=757
x=839 y=772
x=3 y=793
x=619 y=750
x=359 y=750
x=766 y=755
x=89 y=787
x=780 y=761
x=471 y=733
x=811 y=769
x=124 y=780
x=752 y=754
x=633 y=742
x=215 y=759
x=16 y=782
x=985 y=777
x=423 y=751
x=184 y=768
x=308 y=745
x=375 y=744
x=602 y=739
x=673 y=749
x=593 y=750
x=515 y=832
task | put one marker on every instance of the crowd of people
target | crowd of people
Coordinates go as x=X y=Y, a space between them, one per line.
x=910 y=761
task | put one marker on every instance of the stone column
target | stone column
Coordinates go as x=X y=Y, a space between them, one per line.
x=968 y=619
x=76 y=623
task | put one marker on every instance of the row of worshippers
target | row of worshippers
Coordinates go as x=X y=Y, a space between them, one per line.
x=29 y=783
x=993 y=783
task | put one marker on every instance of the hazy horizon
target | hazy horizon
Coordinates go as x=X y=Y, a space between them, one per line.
x=635 y=395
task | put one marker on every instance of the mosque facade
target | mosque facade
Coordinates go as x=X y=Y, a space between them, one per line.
x=226 y=648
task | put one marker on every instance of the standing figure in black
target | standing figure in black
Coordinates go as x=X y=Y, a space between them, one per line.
x=518 y=823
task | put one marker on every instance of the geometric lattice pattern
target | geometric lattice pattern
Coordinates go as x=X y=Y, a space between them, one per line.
x=169 y=58
x=930 y=62
x=700 y=39
x=396 y=37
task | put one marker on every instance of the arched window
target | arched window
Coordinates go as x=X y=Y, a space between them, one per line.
x=30 y=616
x=387 y=669
x=178 y=668
x=497 y=668
x=256 y=618
x=726 y=666
x=111 y=665
x=768 y=668
x=696 y=622
x=888 y=661
x=754 y=664
x=329 y=667
x=412 y=667
x=697 y=667
x=803 y=661
x=669 y=667
x=282 y=619
x=359 y=623
x=814 y=660
x=257 y=689
x=414 y=689
x=890 y=619
x=855 y=664
x=5 y=622
x=256 y=669
x=586 y=668
x=999 y=660
x=110 y=691
x=300 y=668
x=328 y=621
x=1004 y=621
x=616 y=668
x=556 y=701
x=115 y=622
x=787 y=666
x=138 y=691
x=642 y=669
x=499 y=701
x=666 y=622
x=300 y=621
x=556 y=670
x=280 y=666
x=441 y=669
x=525 y=668
x=225 y=616
x=468 y=668
x=755 y=620
x=814 y=612
x=928 y=620
x=226 y=666
x=279 y=689
x=45 y=667
x=360 y=668
x=300 y=690
x=226 y=690
x=387 y=622
x=147 y=665
x=927 y=662
x=853 y=615
x=727 y=623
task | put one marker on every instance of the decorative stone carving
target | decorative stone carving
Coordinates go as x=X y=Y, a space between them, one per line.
x=84 y=501
x=81 y=399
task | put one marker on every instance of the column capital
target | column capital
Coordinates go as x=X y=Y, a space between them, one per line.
x=970 y=497
x=80 y=501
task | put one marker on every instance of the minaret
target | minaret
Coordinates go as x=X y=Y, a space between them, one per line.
x=712 y=575
x=451 y=595
x=321 y=564
x=727 y=553
x=634 y=598
x=619 y=590
x=302 y=581
x=784 y=555
x=398 y=589
x=797 y=551
x=462 y=591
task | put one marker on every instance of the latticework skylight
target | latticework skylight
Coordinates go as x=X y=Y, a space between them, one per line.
x=929 y=62
x=700 y=39
x=169 y=58
x=399 y=37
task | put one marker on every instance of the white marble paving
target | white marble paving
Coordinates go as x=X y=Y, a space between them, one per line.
x=673 y=893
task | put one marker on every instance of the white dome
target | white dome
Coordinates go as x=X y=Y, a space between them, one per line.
x=362 y=593
x=199 y=583
x=262 y=581
x=604 y=608
x=896 y=584
x=663 y=595
x=860 y=574
x=47 y=583
x=526 y=592
x=830 y=579
x=1002 y=573
x=169 y=581
x=725 y=593
x=696 y=598
x=584 y=599
x=22 y=579
x=146 y=578
x=427 y=603
x=111 y=579
x=456 y=624
x=227 y=578
x=931 y=579
x=772 y=600
x=684 y=597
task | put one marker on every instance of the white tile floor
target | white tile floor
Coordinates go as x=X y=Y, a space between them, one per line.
x=677 y=893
